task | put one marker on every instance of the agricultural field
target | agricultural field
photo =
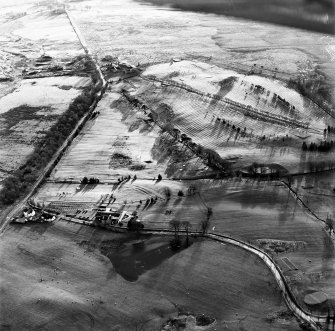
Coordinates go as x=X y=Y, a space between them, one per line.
x=40 y=75
x=191 y=35
x=256 y=212
x=122 y=141
x=317 y=192
x=72 y=277
x=270 y=131
x=265 y=214
x=251 y=71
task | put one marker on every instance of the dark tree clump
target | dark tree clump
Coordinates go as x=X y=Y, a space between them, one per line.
x=180 y=193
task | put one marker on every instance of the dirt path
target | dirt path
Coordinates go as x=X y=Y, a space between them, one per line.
x=85 y=47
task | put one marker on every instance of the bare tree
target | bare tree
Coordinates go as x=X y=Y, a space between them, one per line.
x=175 y=225
x=167 y=192
x=209 y=212
x=204 y=225
x=187 y=226
x=330 y=225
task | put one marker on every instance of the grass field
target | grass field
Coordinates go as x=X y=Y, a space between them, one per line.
x=248 y=210
x=121 y=141
x=188 y=35
x=317 y=191
x=253 y=211
x=55 y=277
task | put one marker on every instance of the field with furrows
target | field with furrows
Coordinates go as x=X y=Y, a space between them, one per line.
x=120 y=142
x=229 y=131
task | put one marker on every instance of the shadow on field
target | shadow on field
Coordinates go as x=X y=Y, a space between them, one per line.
x=177 y=201
x=135 y=255
x=131 y=117
x=34 y=227
x=328 y=254
x=284 y=212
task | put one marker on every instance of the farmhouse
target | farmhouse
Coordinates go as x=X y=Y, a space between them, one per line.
x=110 y=216
x=29 y=214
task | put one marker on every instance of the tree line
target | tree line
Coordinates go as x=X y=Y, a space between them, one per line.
x=91 y=180
x=324 y=146
x=329 y=129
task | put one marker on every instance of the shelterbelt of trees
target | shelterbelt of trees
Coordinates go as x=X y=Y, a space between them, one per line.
x=19 y=183
x=324 y=146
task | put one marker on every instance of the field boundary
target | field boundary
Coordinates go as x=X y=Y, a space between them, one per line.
x=296 y=196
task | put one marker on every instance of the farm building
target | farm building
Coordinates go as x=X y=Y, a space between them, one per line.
x=110 y=216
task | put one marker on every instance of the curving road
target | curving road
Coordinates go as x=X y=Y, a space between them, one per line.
x=290 y=300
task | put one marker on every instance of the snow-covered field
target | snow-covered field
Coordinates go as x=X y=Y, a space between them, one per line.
x=44 y=92
x=159 y=34
x=118 y=142
x=242 y=88
x=212 y=53
x=206 y=78
x=29 y=29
